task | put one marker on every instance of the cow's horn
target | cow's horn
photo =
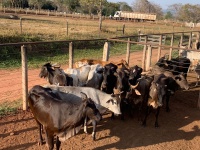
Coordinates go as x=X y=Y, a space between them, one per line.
x=134 y=86
x=56 y=65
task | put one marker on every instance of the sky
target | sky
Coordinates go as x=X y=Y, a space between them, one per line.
x=163 y=3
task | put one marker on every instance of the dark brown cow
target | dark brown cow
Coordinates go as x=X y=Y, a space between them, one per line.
x=61 y=118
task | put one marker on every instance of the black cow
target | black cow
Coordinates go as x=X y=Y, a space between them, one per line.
x=135 y=74
x=122 y=87
x=158 y=92
x=175 y=65
x=62 y=118
x=175 y=82
x=55 y=75
x=109 y=79
x=138 y=96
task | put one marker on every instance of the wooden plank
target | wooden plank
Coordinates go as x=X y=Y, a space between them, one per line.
x=144 y=54
x=171 y=49
x=24 y=77
x=128 y=50
x=190 y=40
x=159 y=48
x=148 y=62
x=106 y=51
x=71 y=55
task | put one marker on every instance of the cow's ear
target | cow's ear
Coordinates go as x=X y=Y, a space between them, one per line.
x=84 y=97
x=115 y=74
x=177 y=78
x=127 y=72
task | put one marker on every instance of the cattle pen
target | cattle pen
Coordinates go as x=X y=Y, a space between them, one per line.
x=153 y=49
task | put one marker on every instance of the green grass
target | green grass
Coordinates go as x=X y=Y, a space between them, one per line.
x=58 y=54
x=10 y=107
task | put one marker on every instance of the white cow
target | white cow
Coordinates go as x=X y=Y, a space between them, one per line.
x=102 y=100
x=79 y=75
x=95 y=76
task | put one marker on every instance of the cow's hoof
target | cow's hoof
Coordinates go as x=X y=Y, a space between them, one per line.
x=40 y=143
x=167 y=110
x=144 y=124
x=156 y=125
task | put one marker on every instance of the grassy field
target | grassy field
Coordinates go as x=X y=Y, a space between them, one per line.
x=55 y=28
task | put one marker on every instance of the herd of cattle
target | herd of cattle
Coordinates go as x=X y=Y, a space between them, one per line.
x=80 y=96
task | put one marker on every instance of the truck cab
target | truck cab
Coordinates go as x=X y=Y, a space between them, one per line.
x=117 y=14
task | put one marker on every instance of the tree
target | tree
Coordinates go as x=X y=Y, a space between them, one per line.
x=175 y=8
x=72 y=5
x=110 y=8
x=90 y=4
x=124 y=6
x=168 y=15
x=144 y=6
x=37 y=4
x=187 y=12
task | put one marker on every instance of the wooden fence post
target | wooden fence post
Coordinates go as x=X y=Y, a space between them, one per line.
x=106 y=51
x=123 y=29
x=67 y=28
x=24 y=77
x=181 y=43
x=159 y=48
x=128 y=50
x=190 y=40
x=144 y=53
x=21 y=25
x=71 y=55
x=171 y=49
x=197 y=39
x=148 y=62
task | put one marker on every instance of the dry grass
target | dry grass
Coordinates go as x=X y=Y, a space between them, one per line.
x=54 y=28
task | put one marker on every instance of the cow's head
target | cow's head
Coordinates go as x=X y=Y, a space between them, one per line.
x=113 y=104
x=135 y=73
x=158 y=91
x=46 y=68
x=109 y=79
x=181 y=81
x=122 y=83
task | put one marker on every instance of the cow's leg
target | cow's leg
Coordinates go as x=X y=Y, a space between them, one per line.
x=157 y=113
x=167 y=103
x=197 y=80
x=57 y=143
x=49 y=139
x=112 y=116
x=85 y=125
x=122 y=108
x=148 y=110
x=40 y=142
x=94 y=124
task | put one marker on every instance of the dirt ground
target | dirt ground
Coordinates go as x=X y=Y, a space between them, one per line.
x=179 y=129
